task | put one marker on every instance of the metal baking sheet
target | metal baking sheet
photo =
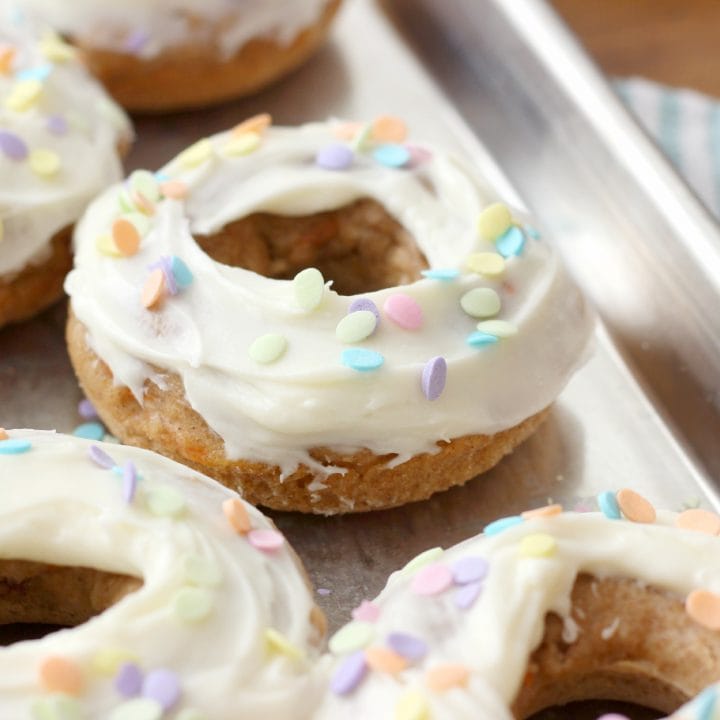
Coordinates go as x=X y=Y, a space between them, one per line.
x=644 y=411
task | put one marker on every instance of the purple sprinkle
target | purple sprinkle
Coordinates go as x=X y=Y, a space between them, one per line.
x=13 y=146
x=136 y=41
x=87 y=410
x=324 y=592
x=129 y=680
x=163 y=686
x=469 y=569
x=434 y=375
x=363 y=303
x=334 y=156
x=165 y=264
x=410 y=647
x=350 y=673
x=57 y=124
x=466 y=596
x=129 y=481
x=100 y=457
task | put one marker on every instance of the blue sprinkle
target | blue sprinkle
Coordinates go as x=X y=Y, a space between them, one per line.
x=445 y=274
x=497 y=526
x=705 y=704
x=481 y=339
x=609 y=506
x=90 y=431
x=181 y=272
x=161 y=176
x=40 y=73
x=14 y=446
x=511 y=242
x=392 y=155
x=532 y=232
x=362 y=360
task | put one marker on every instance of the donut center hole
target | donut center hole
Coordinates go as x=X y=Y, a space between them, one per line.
x=39 y=598
x=360 y=247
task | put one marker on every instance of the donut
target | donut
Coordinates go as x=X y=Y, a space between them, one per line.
x=219 y=341
x=542 y=609
x=171 y=54
x=184 y=601
x=60 y=136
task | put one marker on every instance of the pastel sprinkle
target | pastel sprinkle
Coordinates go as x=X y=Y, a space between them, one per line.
x=199 y=570
x=489 y=264
x=468 y=569
x=501 y=524
x=57 y=707
x=392 y=155
x=367 y=611
x=421 y=560
x=57 y=125
x=87 y=410
x=434 y=376
x=181 y=272
x=412 y=648
x=129 y=679
x=3 y=434
x=129 y=481
x=498 y=328
x=481 y=302
x=511 y=243
x=699 y=520
x=538 y=545
x=494 y=220
x=266 y=539
x=308 y=287
x=59 y=674
x=349 y=674
x=334 y=156
x=703 y=607
x=361 y=360
x=704 y=704
x=388 y=128
x=362 y=139
x=164 y=501
x=351 y=637
x=479 y=339
x=542 y=512
x=89 y=431
x=154 y=289
x=55 y=49
x=635 y=507
x=163 y=686
x=136 y=41
x=356 y=326
x=385 y=660
x=196 y=154
x=255 y=124
x=466 y=595
x=14 y=446
x=278 y=644
x=137 y=709
x=108 y=661
x=363 y=303
x=106 y=245
x=324 y=592
x=39 y=72
x=174 y=189
x=431 y=580
x=609 y=505
x=442 y=274
x=193 y=604
x=267 y=348
x=125 y=236
x=13 y=146
x=346 y=130
x=23 y=95
x=404 y=311
x=237 y=515
x=242 y=144
x=418 y=155
x=445 y=677
x=100 y=457
x=412 y=706
x=44 y=163
x=163 y=264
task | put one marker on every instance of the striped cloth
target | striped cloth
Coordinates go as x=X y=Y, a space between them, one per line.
x=686 y=125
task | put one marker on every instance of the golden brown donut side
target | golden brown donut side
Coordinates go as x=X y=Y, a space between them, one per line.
x=168 y=425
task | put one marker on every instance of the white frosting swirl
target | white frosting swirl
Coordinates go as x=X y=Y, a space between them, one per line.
x=148 y=28
x=73 y=513
x=72 y=118
x=308 y=398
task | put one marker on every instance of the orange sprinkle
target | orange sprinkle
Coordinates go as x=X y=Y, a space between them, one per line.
x=237 y=515
x=174 y=189
x=541 y=512
x=7 y=55
x=704 y=608
x=382 y=659
x=154 y=289
x=3 y=434
x=445 y=677
x=347 y=130
x=635 y=507
x=58 y=674
x=125 y=236
x=388 y=128
x=701 y=520
x=256 y=124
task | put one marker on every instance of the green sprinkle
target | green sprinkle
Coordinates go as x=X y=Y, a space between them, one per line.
x=481 y=302
x=193 y=604
x=424 y=558
x=144 y=183
x=498 y=328
x=163 y=501
x=195 y=155
x=356 y=326
x=353 y=636
x=137 y=709
x=268 y=348
x=201 y=571
x=56 y=707
x=308 y=286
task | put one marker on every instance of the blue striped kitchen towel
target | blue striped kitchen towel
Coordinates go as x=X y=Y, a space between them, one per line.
x=686 y=125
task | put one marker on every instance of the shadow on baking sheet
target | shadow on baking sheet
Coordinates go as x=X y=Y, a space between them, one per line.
x=593 y=709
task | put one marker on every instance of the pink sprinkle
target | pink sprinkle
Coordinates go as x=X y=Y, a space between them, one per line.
x=432 y=580
x=267 y=540
x=418 y=155
x=404 y=311
x=367 y=611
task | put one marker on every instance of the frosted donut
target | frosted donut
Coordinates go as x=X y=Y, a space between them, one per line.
x=216 y=342
x=540 y=610
x=59 y=140
x=170 y=54
x=205 y=610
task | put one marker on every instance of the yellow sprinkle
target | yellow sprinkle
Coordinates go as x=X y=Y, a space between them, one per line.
x=486 y=263
x=243 y=144
x=277 y=643
x=412 y=706
x=24 y=95
x=55 y=49
x=494 y=220
x=44 y=163
x=538 y=545
x=196 y=154
x=106 y=245
x=107 y=661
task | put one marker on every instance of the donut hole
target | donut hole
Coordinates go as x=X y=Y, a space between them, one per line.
x=360 y=247
x=38 y=598
x=627 y=642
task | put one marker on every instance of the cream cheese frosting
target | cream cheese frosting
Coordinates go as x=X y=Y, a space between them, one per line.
x=146 y=29
x=59 y=139
x=274 y=412
x=226 y=616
